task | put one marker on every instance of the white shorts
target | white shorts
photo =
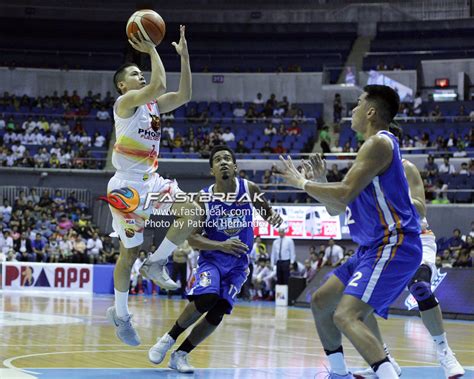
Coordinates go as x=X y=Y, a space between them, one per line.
x=428 y=244
x=127 y=193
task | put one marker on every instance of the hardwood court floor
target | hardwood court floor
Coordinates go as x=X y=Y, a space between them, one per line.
x=52 y=336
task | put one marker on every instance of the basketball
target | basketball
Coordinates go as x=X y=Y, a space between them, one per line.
x=149 y=23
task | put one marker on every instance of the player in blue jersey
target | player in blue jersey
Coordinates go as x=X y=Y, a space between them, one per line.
x=224 y=238
x=382 y=220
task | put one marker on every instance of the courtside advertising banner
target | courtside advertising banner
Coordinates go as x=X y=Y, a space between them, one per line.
x=67 y=278
x=302 y=222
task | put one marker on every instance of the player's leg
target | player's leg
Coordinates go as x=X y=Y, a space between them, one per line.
x=323 y=304
x=430 y=311
x=381 y=275
x=349 y=318
x=119 y=314
x=187 y=216
x=200 y=332
x=203 y=297
x=368 y=373
x=231 y=284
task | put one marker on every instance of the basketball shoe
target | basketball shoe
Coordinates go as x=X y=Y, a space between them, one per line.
x=368 y=373
x=158 y=351
x=157 y=272
x=449 y=363
x=179 y=361
x=123 y=328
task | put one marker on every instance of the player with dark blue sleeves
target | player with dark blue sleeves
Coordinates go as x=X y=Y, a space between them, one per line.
x=224 y=238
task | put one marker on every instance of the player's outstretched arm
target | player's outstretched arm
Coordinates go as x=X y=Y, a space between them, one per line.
x=373 y=158
x=172 y=100
x=417 y=189
x=315 y=169
x=263 y=208
x=157 y=85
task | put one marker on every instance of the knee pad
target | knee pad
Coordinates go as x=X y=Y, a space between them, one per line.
x=420 y=288
x=205 y=302
x=216 y=314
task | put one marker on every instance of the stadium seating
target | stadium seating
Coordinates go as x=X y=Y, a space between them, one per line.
x=406 y=44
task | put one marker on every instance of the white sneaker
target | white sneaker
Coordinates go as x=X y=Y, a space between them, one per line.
x=123 y=328
x=368 y=373
x=158 y=351
x=452 y=368
x=179 y=361
x=157 y=272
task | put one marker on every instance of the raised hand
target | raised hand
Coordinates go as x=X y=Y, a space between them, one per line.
x=315 y=167
x=290 y=173
x=182 y=46
x=141 y=44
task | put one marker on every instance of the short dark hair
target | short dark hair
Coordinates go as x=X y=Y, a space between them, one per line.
x=218 y=148
x=118 y=75
x=385 y=99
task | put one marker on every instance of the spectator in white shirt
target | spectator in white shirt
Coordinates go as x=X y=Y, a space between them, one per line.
x=27 y=124
x=6 y=209
x=18 y=149
x=49 y=139
x=65 y=128
x=228 y=136
x=270 y=130
x=333 y=254
x=263 y=277
x=41 y=157
x=283 y=255
x=168 y=128
x=94 y=246
x=37 y=137
x=259 y=99
x=11 y=158
x=99 y=140
x=85 y=139
x=103 y=115
x=417 y=104
x=28 y=139
x=446 y=167
x=135 y=276
x=55 y=126
x=2 y=123
x=74 y=138
x=56 y=149
x=64 y=157
x=239 y=110
x=9 y=137
x=8 y=242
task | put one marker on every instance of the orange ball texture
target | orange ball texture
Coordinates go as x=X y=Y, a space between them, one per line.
x=149 y=23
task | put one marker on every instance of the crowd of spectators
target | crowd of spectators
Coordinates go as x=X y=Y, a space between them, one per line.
x=54 y=126
x=457 y=250
x=51 y=227
x=49 y=132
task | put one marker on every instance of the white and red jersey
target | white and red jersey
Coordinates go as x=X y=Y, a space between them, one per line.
x=137 y=140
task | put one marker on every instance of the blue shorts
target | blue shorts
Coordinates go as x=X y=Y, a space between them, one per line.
x=211 y=277
x=378 y=275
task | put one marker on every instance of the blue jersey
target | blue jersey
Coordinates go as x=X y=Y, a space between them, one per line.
x=384 y=208
x=229 y=220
